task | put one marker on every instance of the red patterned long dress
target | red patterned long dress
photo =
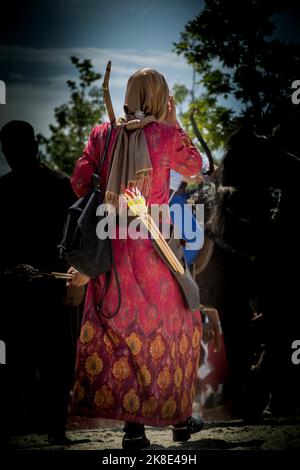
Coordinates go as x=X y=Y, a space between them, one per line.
x=140 y=365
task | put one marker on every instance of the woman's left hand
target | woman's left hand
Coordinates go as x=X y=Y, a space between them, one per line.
x=77 y=279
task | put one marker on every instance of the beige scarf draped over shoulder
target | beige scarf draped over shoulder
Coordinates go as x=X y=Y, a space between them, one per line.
x=146 y=101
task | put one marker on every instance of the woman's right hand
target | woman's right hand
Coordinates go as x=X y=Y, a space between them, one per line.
x=77 y=279
x=171 y=117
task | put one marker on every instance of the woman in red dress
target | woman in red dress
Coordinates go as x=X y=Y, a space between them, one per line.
x=139 y=366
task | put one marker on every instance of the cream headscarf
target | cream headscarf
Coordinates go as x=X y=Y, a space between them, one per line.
x=146 y=101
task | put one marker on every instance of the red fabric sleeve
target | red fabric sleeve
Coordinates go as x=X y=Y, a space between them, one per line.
x=88 y=163
x=179 y=152
x=185 y=158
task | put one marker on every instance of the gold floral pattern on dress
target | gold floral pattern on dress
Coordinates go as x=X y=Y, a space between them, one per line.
x=164 y=378
x=93 y=365
x=144 y=376
x=134 y=343
x=178 y=376
x=78 y=392
x=87 y=332
x=131 y=401
x=189 y=369
x=104 y=398
x=196 y=338
x=110 y=340
x=169 y=408
x=192 y=393
x=149 y=407
x=184 y=344
x=184 y=402
x=121 y=369
x=157 y=348
x=173 y=351
x=187 y=141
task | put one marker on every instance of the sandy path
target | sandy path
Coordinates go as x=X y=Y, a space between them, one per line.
x=273 y=434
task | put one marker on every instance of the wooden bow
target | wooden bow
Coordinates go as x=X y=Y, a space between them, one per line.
x=106 y=95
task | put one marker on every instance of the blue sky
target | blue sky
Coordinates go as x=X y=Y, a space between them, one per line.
x=35 y=52
x=37 y=41
x=37 y=37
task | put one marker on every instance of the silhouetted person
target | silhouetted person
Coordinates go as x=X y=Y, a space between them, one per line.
x=34 y=323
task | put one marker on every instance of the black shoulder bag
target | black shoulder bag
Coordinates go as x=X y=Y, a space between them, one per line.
x=80 y=246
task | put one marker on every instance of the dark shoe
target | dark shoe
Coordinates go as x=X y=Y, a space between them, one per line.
x=135 y=443
x=183 y=431
x=134 y=437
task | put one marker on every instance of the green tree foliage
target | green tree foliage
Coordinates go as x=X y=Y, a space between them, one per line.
x=74 y=119
x=180 y=93
x=230 y=45
x=215 y=122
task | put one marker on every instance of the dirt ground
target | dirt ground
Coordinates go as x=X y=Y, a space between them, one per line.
x=273 y=434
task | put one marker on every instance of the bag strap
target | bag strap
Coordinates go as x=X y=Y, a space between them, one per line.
x=104 y=154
